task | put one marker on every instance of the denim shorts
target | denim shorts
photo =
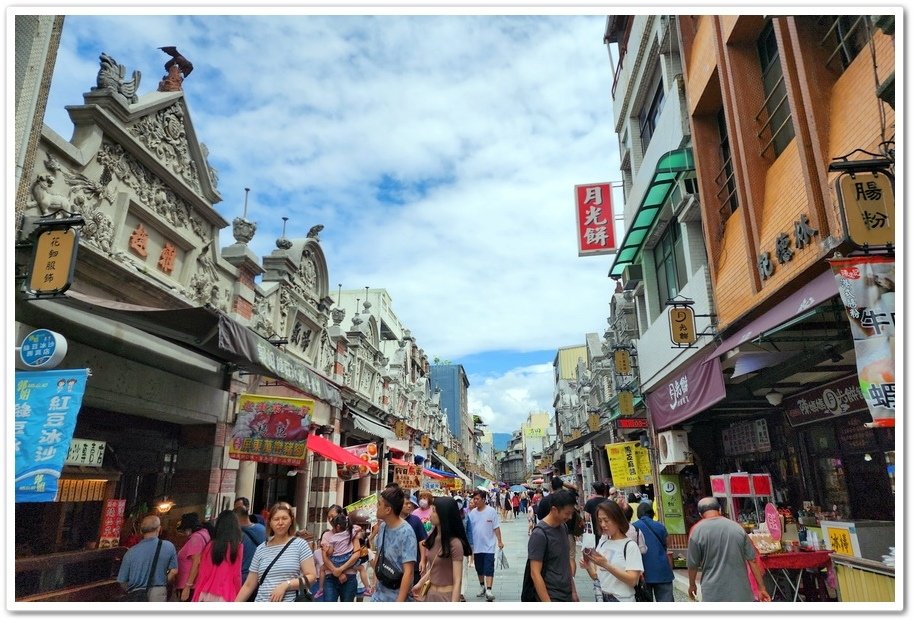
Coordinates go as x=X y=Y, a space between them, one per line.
x=485 y=564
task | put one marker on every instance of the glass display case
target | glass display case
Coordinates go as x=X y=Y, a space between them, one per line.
x=743 y=496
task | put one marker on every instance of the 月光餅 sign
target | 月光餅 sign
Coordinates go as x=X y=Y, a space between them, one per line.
x=595 y=219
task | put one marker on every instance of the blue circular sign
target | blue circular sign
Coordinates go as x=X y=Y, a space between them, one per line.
x=42 y=349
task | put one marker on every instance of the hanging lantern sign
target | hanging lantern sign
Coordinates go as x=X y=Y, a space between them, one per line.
x=866 y=201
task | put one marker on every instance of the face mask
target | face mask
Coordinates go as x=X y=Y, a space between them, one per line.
x=424 y=504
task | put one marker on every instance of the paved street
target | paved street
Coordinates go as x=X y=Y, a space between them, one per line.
x=507 y=583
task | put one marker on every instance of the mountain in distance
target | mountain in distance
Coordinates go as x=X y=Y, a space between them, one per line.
x=501 y=441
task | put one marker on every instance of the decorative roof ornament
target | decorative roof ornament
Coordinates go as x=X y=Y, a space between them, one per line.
x=314 y=231
x=111 y=78
x=242 y=229
x=177 y=69
x=283 y=242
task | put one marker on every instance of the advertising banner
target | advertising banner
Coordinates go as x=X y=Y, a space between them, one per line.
x=367 y=452
x=595 y=219
x=47 y=403
x=367 y=505
x=112 y=521
x=867 y=285
x=408 y=477
x=672 y=503
x=630 y=466
x=269 y=429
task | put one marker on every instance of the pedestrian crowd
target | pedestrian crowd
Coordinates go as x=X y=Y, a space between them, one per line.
x=417 y=547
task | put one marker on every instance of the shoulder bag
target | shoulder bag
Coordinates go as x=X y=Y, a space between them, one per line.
x=643 y=592
x=387 y=575
x=263 y=577
x=142 y=594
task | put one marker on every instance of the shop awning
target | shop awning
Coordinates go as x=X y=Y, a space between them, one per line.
x=793 y=307
x=668 y=172
x=211 y=331
x=581 y=441
x=685 y=393
x=440 y=473
x=452 y=467
x=330 y=450
x=367 y=425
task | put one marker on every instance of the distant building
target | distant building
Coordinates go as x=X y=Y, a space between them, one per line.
x=453 y=384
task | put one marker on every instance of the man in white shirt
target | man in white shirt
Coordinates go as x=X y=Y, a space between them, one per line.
x=486 y=536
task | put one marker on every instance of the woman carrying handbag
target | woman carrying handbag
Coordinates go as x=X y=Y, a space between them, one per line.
x=279 y=562
x=218 y=577
x=447 y=546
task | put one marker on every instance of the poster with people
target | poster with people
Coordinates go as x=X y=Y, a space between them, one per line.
x=367 y=505
x=867 y=285
x=46 y=406
x=269 y=429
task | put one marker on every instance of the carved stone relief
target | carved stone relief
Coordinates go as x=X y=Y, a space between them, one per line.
x=151 y=190
x=262 y=319
x=164 y=135
x=111 y=78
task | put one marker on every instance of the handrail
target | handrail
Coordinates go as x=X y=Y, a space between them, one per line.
x=842 y=43
x=775 y=134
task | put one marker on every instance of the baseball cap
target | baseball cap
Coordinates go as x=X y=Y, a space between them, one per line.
x=413 y=500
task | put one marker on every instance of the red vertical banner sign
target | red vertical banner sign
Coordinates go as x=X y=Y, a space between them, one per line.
x=112 y=521
x=867 y=285
x=595 y=219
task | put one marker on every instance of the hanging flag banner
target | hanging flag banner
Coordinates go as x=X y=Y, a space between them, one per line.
x=595 y=219
x=866 y=286
x=269 y=429
x=112 y=522
x=47 y=404
x=630 y=466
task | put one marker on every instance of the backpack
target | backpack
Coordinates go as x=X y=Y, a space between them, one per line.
x=528 y=591
x=576 y=524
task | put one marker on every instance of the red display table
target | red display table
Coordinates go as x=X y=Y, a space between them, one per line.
x=791 y=565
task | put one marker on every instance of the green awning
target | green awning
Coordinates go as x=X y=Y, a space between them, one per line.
x=615 y=409
x=668 y=172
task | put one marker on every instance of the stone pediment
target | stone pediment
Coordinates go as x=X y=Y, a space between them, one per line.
x=160 y=125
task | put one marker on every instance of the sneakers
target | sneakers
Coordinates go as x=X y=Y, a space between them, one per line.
x=490 y=595
x=482 y=592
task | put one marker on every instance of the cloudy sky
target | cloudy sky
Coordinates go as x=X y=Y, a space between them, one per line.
x=439 y=152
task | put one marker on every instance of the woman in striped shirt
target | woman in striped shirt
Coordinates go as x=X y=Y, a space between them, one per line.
x=289 y=564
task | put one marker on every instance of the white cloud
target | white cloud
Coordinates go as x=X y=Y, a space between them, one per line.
x=483 y=123
x=504 y=401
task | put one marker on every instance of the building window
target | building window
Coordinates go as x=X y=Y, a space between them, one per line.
x=777 y=122
x=847 y=35
x=651 y=113
x=670 y=269
x=725 y=180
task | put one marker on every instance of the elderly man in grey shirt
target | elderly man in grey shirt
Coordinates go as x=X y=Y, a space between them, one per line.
x=721 y=548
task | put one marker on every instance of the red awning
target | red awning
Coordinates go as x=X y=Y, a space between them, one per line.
x=426 y=472
x=330 y=450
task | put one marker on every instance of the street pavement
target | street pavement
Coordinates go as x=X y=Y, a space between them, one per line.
x=507 y=583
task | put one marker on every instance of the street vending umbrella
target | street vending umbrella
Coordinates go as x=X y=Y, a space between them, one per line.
x=516 y=488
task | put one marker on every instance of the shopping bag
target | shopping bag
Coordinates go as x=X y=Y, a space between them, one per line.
x=588 y=536
x=501 y=560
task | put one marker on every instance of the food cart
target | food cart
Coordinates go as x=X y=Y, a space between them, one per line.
x=743 y=496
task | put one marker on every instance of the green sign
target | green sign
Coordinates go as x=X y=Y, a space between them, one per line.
x=672 y=504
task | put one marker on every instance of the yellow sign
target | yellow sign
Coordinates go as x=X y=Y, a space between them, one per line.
x=594 y=422
x=54 y=261
x=424 y=441
x=622 y=364
x=407 y=477
x=867 y=203
x=840 y=540
x=625 y=402
x=400 y=429
x=683 y=328
x=440 y=448
x=629 y=463
x=452 y=456
x=534 y=432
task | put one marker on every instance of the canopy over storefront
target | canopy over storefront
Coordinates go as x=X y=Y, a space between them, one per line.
x=330 y=450
x=211 y=331
x=458 y=473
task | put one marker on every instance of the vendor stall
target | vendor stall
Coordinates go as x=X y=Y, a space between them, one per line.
x=743 y=496
x=785 y=571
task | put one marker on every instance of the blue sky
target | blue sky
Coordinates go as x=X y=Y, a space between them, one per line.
x=440 y=153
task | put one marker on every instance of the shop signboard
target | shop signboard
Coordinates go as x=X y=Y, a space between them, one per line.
x=622 y=363
x=42 y=349
x=630 y=466
x=88 y=452
x=672 y=503
x=682 y=325
x=407 y=477
x=773 y=521
x=632 y=422
x=534 y=432
x=112 y=522
x=270 y=429
x=867 y=204
x=625 y=403
x=46 y=406
x=53 y=261
x=595 y=219
x=367 y=452
x=840 y=397
x=867 y=285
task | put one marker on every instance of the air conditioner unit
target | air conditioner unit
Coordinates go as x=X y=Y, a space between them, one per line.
x=672 y=447
x=632 y=276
